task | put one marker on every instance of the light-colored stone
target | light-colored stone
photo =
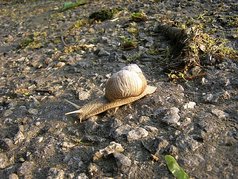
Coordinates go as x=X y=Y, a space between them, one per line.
x=113 y=147
x=83 y=95
x=172 y=116
x=189 y=105
x=219 y=113
x=137 y=134
x=151 y=129
x=4 y=162
x=26 y=169
x=33 y=111
x=13 y=176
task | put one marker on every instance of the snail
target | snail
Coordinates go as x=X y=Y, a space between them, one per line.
x=123 y=87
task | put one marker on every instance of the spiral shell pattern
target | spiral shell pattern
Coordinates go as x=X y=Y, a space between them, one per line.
x=128 y=82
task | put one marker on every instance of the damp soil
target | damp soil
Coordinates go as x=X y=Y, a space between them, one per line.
x=48 y=55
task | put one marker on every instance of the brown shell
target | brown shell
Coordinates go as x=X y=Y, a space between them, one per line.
x=125 y=84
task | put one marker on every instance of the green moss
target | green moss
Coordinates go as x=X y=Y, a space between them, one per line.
x=134 y=57
x=104 y=14
x=138 y=16
x=128 y=43
x=26 y=41
x=34 y=41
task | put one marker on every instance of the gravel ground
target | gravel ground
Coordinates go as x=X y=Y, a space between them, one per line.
x=47 y=56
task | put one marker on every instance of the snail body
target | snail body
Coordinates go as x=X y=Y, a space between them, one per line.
x=123 y=87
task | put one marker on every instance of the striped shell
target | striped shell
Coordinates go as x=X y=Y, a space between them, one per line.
x=128 y=82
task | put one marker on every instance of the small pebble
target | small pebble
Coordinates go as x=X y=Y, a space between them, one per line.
x=82 y=176
x=122 y=130
x=25 y=169
x=189 y=105
x=163 y=143
x=113 y=147
x=67 y=145
x=93 y=169
x=219 y=113
x=172 y=116
x=6 y=144
x=33 y=111
x=13 y=176
x=187 y=143
x=4 y=162
x=137 y=134
x=83 y=95
x=151 y=129
x=122 y=160
x=144 y=119
x=60 y=65
x=19 y=137
x=7 y=113
x=55 y=173
x=102 y=53
x=208 y=97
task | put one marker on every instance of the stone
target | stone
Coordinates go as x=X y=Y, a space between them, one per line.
x=60 y=64
x=105 y=39
x=67 y=145
x=19 y=137
x=187 y=143
x=189 y=105
x=82 y=176
x=55 y=173
x=26 y=169
x=144 y=119
x=116 y=123
x=122 y=130
x=172 y=116
x=6 y=144
x=113 y=57
x=186 y=122
x=93 y=138
x=91 y=126
x=13 y=176
x=102 y=52
x=93 y=169
x=193 y=160
x=137 y=134
x=110 y=149
x=122 y=160
x=4 y=161
x=173 y=150
x=162 y=145
x=7 y=113
x=208 y=97
x=33 y=111
x=83 y=95
x=39 y=139
x=219 y=113
x=204 y=81
x=151 y=129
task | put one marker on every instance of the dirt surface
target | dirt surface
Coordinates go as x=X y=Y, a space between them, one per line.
x=48 y=55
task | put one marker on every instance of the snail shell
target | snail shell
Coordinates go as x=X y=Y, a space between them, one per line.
x=124 y=87
x=128 y=82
